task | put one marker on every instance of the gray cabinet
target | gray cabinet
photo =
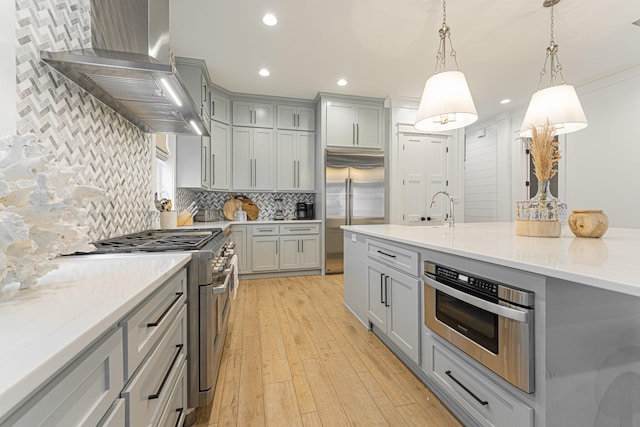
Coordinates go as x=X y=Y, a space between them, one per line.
x=253 y=159
x=82 y=393
x=394 y=307
x=299 y=252
x=488 y=403
x=356 y=290
x=129 y=377
x=354 y=125
x=276 y=248
x=295 y=161
x=252 y=114
x=394 y=294
x=193 y=162
x=266 y=256
x=296 y=118
x=195 y=75
x=220 y=108
x=239 y=237
x=220 y=175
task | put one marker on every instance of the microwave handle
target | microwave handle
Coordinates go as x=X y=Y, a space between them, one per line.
x=519 y=315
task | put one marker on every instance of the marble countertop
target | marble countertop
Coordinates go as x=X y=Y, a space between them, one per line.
x=611 y=262
x=45 y=326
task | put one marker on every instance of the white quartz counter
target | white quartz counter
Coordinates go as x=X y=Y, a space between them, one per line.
x=226 y=224
x=611 y=262
x=45 y=326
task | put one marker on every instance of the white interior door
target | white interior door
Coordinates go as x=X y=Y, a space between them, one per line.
x=423 y=161
x=436 y=175
x=412 y=154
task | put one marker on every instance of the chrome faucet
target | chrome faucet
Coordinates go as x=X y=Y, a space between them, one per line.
x=450 y=219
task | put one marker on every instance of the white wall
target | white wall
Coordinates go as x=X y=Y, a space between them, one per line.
x=7 y=68
x=603 y=160
x=600 y=165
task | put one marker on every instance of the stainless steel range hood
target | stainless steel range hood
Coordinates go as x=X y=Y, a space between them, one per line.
x=128 y=67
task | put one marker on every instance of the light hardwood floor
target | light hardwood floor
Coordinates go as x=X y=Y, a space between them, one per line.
x=295 y=356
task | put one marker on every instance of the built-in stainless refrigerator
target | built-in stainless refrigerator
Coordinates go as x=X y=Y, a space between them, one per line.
x=354 y=196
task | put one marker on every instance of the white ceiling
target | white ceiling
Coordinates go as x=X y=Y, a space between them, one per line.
x=386 y=48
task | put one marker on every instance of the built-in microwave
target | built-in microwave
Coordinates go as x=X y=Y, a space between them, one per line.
x=489 y=321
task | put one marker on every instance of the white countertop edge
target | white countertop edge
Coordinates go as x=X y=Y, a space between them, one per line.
x=601 y=282
x=226 y=224
x=26 y=386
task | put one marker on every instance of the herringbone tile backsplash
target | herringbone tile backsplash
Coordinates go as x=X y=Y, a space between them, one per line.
x=266 y=202
x=115 y=154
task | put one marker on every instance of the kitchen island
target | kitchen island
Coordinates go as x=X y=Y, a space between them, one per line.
x=587 y=317
x=74 y=309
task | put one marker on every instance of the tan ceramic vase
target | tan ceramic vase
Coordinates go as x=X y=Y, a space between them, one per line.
x=588 y=223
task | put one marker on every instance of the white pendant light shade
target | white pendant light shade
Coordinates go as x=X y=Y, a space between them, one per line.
x=560 y=105
x=446 y=103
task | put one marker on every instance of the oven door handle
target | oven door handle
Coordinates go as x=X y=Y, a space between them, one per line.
x=519 y=315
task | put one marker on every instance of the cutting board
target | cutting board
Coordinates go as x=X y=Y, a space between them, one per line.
x=231 y=206
x=249 y=207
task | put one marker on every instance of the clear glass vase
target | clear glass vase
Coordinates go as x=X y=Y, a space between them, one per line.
x=544 y=191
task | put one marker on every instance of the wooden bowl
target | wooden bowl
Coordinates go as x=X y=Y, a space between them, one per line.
x=588 y=223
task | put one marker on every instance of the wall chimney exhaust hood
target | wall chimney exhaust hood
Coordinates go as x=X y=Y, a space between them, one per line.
x=128 y=67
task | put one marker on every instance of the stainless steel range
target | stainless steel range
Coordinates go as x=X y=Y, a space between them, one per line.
x=209 y=277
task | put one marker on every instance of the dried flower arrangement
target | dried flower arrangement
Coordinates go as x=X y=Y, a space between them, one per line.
x=544 y=151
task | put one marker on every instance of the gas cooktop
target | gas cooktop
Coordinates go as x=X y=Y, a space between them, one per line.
x=157 y=241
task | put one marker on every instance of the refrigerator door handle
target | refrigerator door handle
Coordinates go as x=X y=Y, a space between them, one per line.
x=346 y=201
x=350 y=196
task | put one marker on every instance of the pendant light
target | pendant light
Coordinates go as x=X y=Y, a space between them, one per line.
x=446 y=102
x=557 y=103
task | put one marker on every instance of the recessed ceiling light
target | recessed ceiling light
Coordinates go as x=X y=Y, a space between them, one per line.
x=505 y=101
x=342 y=82
x=269 y=20
x=264 y=72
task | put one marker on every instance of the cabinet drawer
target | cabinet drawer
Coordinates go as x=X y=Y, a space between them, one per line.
x=144 y=327
x=176 y=410
x=82 y=394
x=299 y=229
x=148 y=391
x=402 y=259
x=116 y=416
x=488 y=403
x=265 y=230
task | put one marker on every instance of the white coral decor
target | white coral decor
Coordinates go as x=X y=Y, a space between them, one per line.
x=42 y=211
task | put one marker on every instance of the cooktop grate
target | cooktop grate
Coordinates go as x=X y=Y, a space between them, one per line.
x=156 y=241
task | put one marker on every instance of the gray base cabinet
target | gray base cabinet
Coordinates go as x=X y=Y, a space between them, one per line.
x=266 y=254
x=83 y=393
x=489 y=404
x=356 y=288
x=135 y=375
x=394 y=307
x=239 y=237
x=279 y=248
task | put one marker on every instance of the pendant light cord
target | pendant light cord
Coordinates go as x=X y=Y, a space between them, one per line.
x=445 y=34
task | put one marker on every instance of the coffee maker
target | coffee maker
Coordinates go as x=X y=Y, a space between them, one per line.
x=304 y=210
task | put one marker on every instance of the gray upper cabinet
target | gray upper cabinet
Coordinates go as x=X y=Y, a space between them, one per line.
x=220 y=108
x=354 y=125
x=220 y=157
x=193 y=162
x=252 y=114
x=296 y=118
x=195 y=75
